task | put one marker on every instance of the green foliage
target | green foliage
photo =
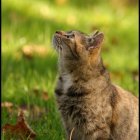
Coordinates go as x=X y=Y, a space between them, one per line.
x=34 y=22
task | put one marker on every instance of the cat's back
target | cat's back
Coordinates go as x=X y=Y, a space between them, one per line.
x=126 y=115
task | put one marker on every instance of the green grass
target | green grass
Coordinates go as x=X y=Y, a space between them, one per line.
x=34 y=22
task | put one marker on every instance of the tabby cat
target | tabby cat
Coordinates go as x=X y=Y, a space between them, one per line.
x=92 y=108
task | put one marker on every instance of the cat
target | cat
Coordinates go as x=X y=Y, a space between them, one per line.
x=90 y=105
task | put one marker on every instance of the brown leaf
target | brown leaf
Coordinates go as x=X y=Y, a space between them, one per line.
x=116 y=75
x=34 y=112
x=37 y=112
x=7 y=37
x=61 y=2
x=20 y=130
x=29 y=51
x=11 y=108
x=24 y=109
x=95 y=27
x=45 y=95
x=36 y=91
x=7 y=104
x=123 y=3
x=135 y=75
x=114 y=40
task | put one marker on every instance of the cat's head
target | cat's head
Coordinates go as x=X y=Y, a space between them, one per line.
x=78 y=46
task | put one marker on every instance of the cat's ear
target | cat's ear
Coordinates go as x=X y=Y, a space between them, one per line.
x=95 y=33
x=97 y=39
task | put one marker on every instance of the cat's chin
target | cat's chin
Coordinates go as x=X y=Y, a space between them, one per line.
x=55 y=44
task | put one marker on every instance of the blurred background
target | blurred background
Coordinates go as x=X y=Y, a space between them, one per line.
x=29 y=63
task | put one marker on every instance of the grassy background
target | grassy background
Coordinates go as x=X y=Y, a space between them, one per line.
x=26 y=22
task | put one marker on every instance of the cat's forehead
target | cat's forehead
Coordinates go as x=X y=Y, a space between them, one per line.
x=76 y=32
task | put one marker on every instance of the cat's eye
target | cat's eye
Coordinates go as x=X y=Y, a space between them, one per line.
x=69 y=36
x=90 y=40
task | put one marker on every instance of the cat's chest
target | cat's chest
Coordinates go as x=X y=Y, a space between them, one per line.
x=67 y=82
x=85 y=107
x=76 y=104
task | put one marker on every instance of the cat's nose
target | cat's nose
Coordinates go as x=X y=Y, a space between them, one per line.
x=59 y=32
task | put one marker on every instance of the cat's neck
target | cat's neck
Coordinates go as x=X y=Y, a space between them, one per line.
x=84 y=71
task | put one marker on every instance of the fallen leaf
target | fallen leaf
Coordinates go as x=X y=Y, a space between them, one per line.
x=25 y=110
x=42 y=93
x=20 y=130
x=45 y=95
x=114 y=40
x=7 y=36
x=36 y=91
x=7 y=104
x=105 y=49
x=124 y=3
x=37 y=112
x=34 y=112
x=116 y=75
x=61 y=2
x=14 y=17
x=29 y=51
x=95 y=27
x=135 y=75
